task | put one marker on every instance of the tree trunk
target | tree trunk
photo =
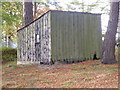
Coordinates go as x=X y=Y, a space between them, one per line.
x=110 y=37
x=119 y=37
x=35 y=8
x=27 y=12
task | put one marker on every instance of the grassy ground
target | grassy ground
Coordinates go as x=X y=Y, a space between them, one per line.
x=88 y=74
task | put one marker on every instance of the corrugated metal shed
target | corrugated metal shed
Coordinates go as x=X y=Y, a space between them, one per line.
x=60 y=35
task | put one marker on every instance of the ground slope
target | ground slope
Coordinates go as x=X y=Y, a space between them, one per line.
x=87 y=74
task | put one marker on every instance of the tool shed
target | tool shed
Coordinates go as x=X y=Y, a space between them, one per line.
x=60 y=36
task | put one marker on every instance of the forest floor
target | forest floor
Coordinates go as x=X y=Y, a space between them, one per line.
x=87 y=74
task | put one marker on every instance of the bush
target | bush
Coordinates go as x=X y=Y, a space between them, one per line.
x=10 y=51
x=8 y=54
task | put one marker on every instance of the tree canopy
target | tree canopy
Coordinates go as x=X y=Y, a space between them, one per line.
x=12 y=12
x=11 y=18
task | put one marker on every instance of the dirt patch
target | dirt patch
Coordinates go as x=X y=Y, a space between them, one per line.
x=57 y=65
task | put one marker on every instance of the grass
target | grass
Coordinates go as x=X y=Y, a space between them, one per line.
x=47 y=81
x=18 y=87
x=95 y=64
x=32 y=74
x=77 y=75
x=78 y=67
x=67 y=83
x=8 y=54
x=53 y=74
x=88 y=79
x=9 y=84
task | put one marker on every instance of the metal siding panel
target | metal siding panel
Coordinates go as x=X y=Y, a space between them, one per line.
x=75 y=36
x=79 y=34
x=72 y=37
x=85 y=37
x=67 y=35
x=96 y=36
x=69 y=25
x=57 y=35
x=59 y=32
x=61 y=38
x=100 y=36
x=53 y=35
x=63 y=35
x=88 y=37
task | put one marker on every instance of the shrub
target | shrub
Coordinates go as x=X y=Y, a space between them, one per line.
x=8 y=54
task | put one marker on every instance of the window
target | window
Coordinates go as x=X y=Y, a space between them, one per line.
x=38 y=36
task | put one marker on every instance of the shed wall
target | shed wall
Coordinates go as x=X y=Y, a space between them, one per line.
x=34 y=41
x=26 y=44
x=43 y=47
x=75 y=36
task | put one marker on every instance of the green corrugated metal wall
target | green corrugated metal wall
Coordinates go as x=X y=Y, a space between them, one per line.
x=75 y=36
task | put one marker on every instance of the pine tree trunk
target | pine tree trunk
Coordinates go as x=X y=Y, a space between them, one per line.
x=35 y=8
x=119 y=36
x=110 y=37
x=27 y=12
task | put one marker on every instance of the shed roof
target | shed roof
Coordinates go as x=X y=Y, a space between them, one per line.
x=57 y=11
